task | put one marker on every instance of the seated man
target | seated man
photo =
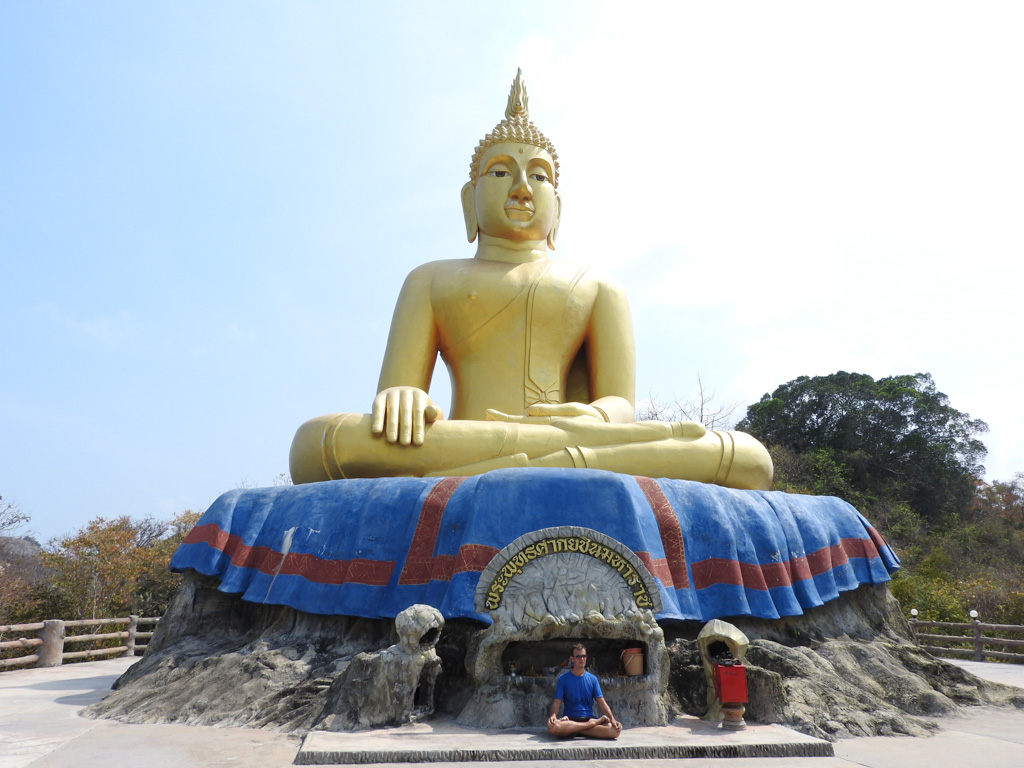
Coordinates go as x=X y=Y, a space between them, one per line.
x=540 y=354
x=579 y=690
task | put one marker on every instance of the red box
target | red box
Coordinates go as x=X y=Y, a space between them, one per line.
x=730 y=683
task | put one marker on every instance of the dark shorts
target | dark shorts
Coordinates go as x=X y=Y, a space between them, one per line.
x=580 y=719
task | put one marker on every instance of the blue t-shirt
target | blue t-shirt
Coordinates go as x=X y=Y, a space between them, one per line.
x=577 y=693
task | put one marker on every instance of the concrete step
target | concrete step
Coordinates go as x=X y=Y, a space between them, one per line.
x=442 y=741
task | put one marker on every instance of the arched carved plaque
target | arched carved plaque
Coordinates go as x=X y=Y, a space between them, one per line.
x=566 y=540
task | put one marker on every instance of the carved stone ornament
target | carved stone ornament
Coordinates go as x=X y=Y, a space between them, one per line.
x=581 y=568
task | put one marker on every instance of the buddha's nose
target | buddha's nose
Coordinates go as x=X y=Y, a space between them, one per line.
x=521 y=187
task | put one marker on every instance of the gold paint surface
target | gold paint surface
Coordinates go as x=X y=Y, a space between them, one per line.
x=540 y=353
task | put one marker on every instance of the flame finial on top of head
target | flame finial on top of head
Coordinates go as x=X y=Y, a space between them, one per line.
x=518 y=101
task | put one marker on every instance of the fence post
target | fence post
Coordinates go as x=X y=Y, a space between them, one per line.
x=133 y=628
x=979 y=643
x=913 y=623
x=51 y=652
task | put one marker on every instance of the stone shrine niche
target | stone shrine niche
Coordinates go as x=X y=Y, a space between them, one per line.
x=546 y=590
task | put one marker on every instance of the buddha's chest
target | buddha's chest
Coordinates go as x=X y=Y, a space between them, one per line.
x=507 y=302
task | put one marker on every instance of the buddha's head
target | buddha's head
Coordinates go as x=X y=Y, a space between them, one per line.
x=512 y=193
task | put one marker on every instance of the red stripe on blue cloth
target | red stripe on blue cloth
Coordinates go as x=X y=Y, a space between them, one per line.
x=876 y=538
x=671 y=535
x=658 y=567
x=715 y=570
x=419 y=563
x=471 y=557
x=375 y=573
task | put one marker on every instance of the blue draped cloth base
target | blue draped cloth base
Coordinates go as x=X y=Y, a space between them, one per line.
x=374 y=547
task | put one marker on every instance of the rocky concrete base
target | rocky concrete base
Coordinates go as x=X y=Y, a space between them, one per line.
x=388 y=687
x=444 y=742
x=849 y=668
x=217 y=660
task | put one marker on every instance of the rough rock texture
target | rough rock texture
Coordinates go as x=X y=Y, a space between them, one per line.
x=216 y=660
x=847 y=668
x=389 y=687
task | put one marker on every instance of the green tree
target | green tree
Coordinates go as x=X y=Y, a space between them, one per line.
x=896 y=437
x=112 y=568
x=18 y=565
x=1000 y=500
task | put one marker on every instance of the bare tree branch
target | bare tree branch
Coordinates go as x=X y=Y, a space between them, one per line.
x=11 y=516
x=701 y=407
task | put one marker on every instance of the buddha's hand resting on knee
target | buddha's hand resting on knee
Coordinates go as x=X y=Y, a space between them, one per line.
x=402 y=413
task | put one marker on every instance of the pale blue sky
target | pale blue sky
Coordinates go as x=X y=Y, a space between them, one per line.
x=207 y=209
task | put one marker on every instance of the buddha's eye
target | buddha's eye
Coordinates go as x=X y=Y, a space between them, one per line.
x=498 y=174
x=539 y=177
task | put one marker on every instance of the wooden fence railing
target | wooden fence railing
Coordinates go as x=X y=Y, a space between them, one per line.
x=950 y=640
x=46 y=648
x=45 y=641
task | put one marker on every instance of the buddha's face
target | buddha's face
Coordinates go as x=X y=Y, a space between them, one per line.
x=514 y=196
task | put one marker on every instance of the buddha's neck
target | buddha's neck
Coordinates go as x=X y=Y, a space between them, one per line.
x=517 y=252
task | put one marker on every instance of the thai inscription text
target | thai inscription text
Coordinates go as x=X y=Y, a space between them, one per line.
x=568 y=544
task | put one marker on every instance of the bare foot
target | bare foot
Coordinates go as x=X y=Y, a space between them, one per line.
x=594 y=722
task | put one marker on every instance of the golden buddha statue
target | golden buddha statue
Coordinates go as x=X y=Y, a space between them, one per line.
x=540 y=354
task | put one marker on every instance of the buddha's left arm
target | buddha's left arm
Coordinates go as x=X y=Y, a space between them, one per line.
x=611 y=355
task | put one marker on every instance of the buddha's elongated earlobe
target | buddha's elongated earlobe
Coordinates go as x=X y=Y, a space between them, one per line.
x=554 y=224
x=469 y=210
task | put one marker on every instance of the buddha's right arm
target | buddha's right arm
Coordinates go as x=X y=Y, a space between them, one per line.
x=402 y=406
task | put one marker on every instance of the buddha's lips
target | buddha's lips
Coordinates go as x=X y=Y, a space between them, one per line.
x=519 y=211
